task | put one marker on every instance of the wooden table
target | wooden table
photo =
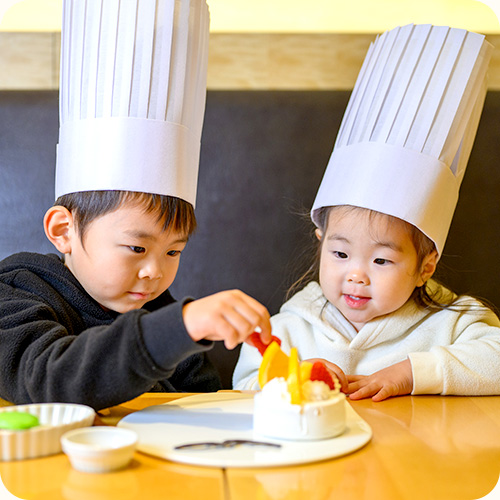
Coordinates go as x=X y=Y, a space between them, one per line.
x=424 y=447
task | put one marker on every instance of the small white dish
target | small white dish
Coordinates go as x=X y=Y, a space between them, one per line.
x=99 y=449
x=45 y=439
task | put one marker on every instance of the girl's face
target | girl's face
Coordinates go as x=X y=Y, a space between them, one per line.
x=368 y=264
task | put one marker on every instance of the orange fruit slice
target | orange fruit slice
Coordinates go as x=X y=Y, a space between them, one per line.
x=274 y=364
x=293 y=380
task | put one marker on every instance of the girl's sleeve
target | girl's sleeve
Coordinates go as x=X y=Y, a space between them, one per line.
x=469 y=365
x=247 y=369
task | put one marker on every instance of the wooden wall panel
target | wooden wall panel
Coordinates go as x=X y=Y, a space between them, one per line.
x=285 y=61
x=236 y=61
x=27 y=61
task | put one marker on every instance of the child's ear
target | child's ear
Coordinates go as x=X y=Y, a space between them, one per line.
x=59 y=228
x=319 y=234
x=428 y=267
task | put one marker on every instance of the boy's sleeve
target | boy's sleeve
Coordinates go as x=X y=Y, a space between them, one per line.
x=194 y=374
x=42 y=361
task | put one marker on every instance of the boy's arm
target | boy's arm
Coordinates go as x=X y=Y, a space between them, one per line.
x=48 y=351
x=43 y=360
x=194 y=374
x=230 y=316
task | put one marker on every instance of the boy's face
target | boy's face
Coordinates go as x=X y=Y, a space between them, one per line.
x=368 y=266
x=126 y=258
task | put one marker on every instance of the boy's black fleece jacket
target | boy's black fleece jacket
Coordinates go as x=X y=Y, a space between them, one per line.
x=57 y=344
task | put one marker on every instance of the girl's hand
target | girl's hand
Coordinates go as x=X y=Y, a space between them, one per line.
x=395 y=380
x=335 y=370
x=230 y=316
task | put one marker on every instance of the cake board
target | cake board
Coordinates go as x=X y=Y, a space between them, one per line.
x=217 y=417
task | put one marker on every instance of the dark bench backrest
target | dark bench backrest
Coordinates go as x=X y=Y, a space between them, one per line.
x=262 y=159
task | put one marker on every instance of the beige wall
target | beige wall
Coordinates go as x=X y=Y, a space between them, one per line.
x=236 y=61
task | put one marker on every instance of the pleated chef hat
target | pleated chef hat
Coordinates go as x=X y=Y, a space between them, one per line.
x=408 y=130
x=132 y=96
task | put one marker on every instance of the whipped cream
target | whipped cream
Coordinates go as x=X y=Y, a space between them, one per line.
x=276 y=390
x=321 y=414
x=312 y=390
x=315 y=390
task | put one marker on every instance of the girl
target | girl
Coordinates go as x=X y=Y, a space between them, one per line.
x=382 y=212
x=372 y=312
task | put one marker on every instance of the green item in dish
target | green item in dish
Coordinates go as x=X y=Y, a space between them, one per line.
x=17 y=420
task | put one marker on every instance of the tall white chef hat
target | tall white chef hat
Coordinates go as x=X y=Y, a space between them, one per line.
x=132 y=96
x=408 y=130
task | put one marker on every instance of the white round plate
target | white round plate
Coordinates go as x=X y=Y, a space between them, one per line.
x=221 y=416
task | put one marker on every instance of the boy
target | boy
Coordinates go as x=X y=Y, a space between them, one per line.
x=99 y=326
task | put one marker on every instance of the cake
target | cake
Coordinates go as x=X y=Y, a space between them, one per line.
x=298 y=400
x=276 y=417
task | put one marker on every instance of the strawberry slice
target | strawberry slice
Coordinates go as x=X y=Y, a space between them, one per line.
x=320 y=372
x=257 y=342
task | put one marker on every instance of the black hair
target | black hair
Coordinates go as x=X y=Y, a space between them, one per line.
x=86 y=206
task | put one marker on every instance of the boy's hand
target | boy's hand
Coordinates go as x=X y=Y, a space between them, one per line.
x=395 y=380
x=335 y=370
x=230 y=316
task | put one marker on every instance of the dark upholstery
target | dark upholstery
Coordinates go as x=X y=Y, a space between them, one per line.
x=263 y=155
